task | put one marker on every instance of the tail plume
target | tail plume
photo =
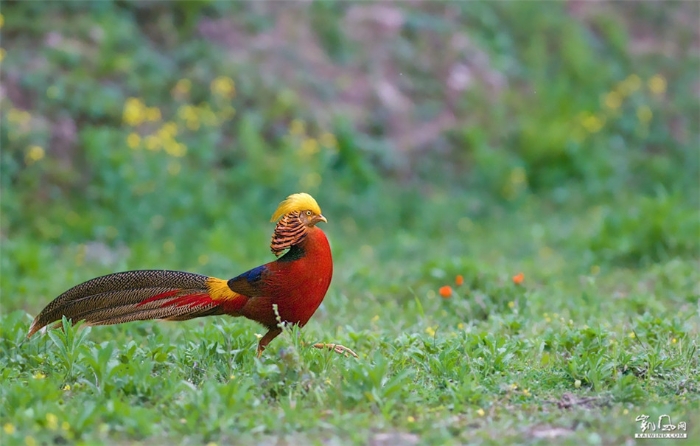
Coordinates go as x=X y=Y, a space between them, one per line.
x=133 y=295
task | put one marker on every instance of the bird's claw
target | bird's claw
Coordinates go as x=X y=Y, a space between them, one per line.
x=340 y=349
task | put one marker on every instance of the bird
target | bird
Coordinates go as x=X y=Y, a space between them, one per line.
x=287 y=290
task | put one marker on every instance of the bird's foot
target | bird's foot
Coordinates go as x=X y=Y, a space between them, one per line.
x=340 y=349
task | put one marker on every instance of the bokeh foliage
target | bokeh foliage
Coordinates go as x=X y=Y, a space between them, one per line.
x=476 y=139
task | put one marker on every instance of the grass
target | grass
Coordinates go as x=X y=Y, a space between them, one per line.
x=573 y=354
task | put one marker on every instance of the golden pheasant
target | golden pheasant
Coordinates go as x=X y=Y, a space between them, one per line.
x=289 y=289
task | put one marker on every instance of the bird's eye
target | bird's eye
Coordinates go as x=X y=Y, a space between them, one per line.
x=308 y=212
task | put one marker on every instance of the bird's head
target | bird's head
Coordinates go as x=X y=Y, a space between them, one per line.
x=309 y=213
x=297 y=214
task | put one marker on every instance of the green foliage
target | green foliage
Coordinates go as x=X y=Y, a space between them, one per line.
x=476 y=140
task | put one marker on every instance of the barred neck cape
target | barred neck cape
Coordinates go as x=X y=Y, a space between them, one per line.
x=290 y=231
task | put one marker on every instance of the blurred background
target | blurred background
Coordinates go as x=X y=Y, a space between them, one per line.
x=550 y=138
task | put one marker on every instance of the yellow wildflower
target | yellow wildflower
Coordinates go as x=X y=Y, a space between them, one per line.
x=34 y=154
x=8 y=428
x=51 y=421
x=152 y=142
x=430 y=331
x=592 y=123
x=657 y=84
x=2 y=54
x=613 y=100
x=631 y=335
x=481 y=412
x=2 y=20
x=223 y=86
x=630 y=85
x=153 y=114
x=29 y=441
x=511 y=304
x=134 y=112
x=133 y=140
x=410 y=419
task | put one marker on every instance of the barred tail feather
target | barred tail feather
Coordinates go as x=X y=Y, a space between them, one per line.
x=133 y=295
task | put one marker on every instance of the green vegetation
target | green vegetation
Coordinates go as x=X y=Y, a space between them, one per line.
x=476 y=140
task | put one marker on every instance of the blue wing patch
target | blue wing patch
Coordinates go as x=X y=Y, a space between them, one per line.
x=249 y=283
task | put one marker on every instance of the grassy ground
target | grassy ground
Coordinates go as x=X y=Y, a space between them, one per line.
x=575 y=352
x=512 y=194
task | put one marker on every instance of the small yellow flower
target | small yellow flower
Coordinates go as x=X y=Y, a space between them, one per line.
x=29 y=441
x=153 y=114
x=460 y=326
x=66 y=387
x=211 y=443
x=592 y=123
x=297 y=127
x=430 y=331
x=630 y=85
x=2 y=20
x=223 y=86
x=375 y=318
x=34 y=154
x=526 y=392
x=65 y=426
x=511 y=304
x=577 y=383
x=2 y=54
x=631 y=335
x=134 y=112
x=625 y=412
x=410 y=419
x=613 y=100
x=152 y=142
x=644 y=114
x=8 y=428
x=39 y=375
x=309 y=146
x=674 y=340
x=169 y=129
x=481 y=412
x=232 y=377
x=548 y=319
x=133 y=140
x=657 y=84
x=51 y=421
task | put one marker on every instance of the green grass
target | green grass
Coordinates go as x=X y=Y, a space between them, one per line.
x=578 y=350
x=481 y=139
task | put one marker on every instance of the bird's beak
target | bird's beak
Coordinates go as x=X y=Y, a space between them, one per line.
x=320 y=218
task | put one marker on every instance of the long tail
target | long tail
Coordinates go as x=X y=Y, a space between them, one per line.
x=141 y=295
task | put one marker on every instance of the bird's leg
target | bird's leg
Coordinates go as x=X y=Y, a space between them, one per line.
x=340 y=349
x=271 y=334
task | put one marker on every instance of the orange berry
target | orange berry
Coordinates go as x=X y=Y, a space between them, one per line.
x=518 y=278
x=459 y=280
x=445 y=291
